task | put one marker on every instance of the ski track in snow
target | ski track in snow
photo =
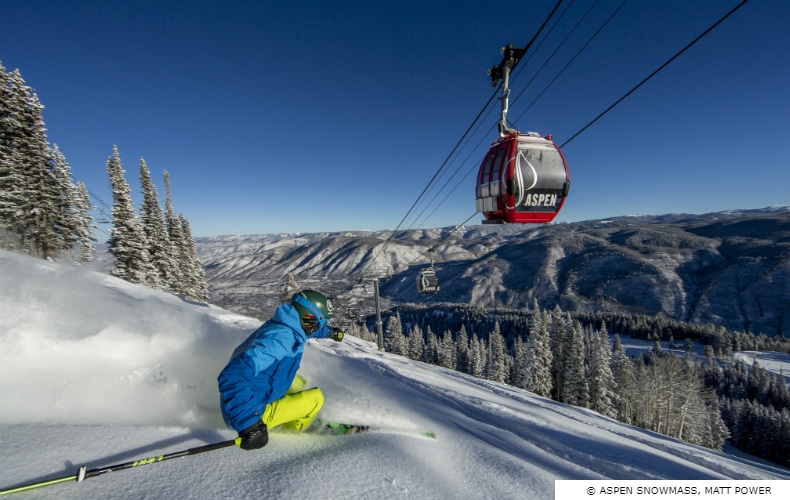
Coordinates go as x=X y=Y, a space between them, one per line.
x=515 y=423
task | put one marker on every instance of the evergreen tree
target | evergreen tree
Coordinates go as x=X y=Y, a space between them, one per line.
x=65 y=216
x=718 y=433
x=448 y=351
x=559 y=324
x=710 y=354
x=153 y=224
x=84 y=234
x=127 y=239
x=416 y=343
x=519 y=372
x=36 y=210
x=538 y=357
x=625 y=380
x=575 y=390
x=38 y=205
x=496 y=369
x=11 y=179
x=188 y=277
x=394 y=341
x=431 y=355
x=462 y=353
x=175 y=233
x=12 y=138
x=195 y=277
x=601 y=380
x=478 y=356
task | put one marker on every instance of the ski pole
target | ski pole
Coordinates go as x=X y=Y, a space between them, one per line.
x=83 y=473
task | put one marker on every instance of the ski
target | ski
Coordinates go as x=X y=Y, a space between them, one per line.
x=334 y=428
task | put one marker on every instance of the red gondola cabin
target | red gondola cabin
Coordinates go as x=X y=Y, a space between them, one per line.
x=523 y=179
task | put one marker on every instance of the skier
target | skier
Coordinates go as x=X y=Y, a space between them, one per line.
x=259 y=387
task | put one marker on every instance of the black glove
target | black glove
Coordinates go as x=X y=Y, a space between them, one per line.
x=254 y=437
x=337 y=334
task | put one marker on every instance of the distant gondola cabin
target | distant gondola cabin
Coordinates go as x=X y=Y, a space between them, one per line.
x=427 y=282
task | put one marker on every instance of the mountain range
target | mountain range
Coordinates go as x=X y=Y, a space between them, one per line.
x=729 y=269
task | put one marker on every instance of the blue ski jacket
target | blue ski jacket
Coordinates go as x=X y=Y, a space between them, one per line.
x=262 y=368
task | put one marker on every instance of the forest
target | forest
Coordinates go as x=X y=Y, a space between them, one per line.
x=45 y=213
x=700 y=397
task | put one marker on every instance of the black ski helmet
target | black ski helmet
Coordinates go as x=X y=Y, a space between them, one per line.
x=314 y=309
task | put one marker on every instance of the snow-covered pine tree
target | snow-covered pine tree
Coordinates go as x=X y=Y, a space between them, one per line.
x=190 y=278
x=479 y=358
x=575 y=390
x=462 y=350
x=431 y=354
x=538 y=362
x=175 y=233
x=416 y=343
x=12 y=180
x=601 y=380
x=718 y=432
x=496 y=368
x=624 y=377
x=518 y=371
x=394 y=340
x=153 y=224
x=196 y=287
x=447 y=356
x=558 y=326
x=36 y=212
x=85 y=226
x=127 y=239
x=66 y=218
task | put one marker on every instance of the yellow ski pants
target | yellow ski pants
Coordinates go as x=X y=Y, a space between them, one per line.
x=297 y=409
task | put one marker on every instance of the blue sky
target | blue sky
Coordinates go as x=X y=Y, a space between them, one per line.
x=333 y=115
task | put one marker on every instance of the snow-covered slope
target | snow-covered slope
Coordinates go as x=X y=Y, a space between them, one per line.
x=95 y=371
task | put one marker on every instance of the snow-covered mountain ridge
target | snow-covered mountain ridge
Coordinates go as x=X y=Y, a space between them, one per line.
x=727 y=268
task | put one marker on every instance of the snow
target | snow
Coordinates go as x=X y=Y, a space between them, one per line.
x=777 y=363
x=95 y=371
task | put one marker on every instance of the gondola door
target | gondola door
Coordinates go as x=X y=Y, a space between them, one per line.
x=492 y=181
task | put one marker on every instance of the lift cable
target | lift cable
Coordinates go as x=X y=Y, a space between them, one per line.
x=477 y=118
x=482 y=111
x=518 y=69
x=608 y=20
x=432 y=247
x=570 y=61
x=460 y=166
x=394 y=231
x=651 y=75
